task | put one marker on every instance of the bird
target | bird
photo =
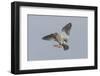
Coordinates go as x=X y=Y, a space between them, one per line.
x=61 y=38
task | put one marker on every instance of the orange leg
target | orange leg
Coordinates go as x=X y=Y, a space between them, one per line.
x=58 y=46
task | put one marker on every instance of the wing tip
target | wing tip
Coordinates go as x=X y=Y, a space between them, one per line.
x=70 y=24
x=44 y=38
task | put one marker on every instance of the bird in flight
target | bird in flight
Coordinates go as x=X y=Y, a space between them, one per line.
x=61 y=38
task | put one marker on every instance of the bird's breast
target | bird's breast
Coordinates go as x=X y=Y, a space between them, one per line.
x=64 y=36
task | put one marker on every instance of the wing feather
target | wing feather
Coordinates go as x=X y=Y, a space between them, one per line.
x=48 y=37
x=67 y=28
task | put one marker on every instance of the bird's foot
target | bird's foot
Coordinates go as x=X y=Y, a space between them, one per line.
x=58 y=46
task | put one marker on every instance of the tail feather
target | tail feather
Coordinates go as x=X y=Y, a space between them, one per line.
x=66 y=47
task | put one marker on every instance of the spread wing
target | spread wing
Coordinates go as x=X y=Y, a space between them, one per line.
x=67 y=28
x=48 y=37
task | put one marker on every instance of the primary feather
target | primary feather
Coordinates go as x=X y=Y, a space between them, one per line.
x=67 y=28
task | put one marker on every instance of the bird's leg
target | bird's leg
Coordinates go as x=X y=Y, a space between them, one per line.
x=58 y=46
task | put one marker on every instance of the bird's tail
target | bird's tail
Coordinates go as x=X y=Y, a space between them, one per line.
x=66 y=47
